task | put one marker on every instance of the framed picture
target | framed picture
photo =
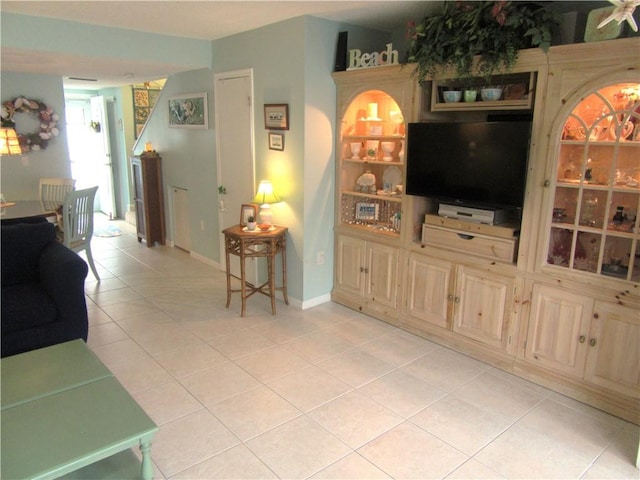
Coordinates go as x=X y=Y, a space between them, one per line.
x=276 y=141
x=367 y=211
x=189 y=111
x=276 y=116
x=248 y=210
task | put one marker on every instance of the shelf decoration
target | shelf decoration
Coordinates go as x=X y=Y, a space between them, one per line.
x=492 y=31
x=623 y=11
x=48 y=129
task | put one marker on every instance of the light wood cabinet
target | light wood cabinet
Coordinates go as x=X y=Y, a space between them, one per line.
x=591 y=340
x=367 y=270
x=146 y=172
x=466 y=300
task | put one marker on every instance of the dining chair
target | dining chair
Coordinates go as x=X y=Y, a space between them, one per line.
x=53 y=190
x=77 y=223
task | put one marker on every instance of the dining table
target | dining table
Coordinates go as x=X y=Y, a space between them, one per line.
x=20 y=209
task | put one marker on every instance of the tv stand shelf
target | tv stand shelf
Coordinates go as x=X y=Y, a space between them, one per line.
x=495 y=242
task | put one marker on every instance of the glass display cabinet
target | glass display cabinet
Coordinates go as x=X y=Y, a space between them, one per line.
x=371 y=168
x=594 y=222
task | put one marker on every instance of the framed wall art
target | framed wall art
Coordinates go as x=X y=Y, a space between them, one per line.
x=276 y=116
x=276 y=141
x=248 y=210
x=189 y=111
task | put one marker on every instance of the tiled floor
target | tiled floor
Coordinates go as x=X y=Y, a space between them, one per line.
x=322 y=393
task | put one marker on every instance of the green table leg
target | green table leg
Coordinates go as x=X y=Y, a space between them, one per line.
x=147 y=465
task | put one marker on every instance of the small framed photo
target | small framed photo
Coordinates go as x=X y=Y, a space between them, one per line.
x=189 y=111
x=367 y=211
x=276 y=141
x=248 y=210
x=276 y=116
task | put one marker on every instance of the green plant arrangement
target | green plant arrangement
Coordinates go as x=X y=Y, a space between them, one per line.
x=494 y=31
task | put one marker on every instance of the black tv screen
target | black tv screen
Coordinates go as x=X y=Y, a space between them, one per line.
x=480 y=163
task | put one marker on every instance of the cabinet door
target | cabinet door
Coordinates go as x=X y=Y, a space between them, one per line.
x=613 y=359
x=381 y=267
x=428 y=287
x=481 y=306
x=350 y=265
x=558 y=329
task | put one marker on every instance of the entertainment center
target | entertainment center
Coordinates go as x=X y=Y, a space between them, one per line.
x=519 y=263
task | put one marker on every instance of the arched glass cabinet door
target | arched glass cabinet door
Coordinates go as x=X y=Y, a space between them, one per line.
x=594 y=224
x=371 y=155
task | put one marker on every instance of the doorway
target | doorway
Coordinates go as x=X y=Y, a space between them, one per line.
x=233 y=93
x=88 y=125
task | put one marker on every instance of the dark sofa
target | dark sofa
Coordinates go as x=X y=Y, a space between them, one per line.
x=43 y=300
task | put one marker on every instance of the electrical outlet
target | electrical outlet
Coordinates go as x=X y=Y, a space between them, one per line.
x=320 y=258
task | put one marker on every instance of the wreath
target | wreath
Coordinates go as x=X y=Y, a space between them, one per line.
x=43 y=113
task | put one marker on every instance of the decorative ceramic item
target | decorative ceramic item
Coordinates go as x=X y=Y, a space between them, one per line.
x=470 y=95
x=372 y=148
x=251 y=224
x=366 y=182
x=355 y=150
x=387 y=150
x=491 y=94
x=452 y=96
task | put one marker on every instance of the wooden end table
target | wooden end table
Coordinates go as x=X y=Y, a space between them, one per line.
x=249 y=244
x=62 y=410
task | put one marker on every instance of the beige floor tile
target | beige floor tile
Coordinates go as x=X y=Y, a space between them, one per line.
x=241 y=343
x=272 y=363
x=298 y=449
x=407 y=451
x=285 y=328
x=106 y=333
x=237 y=463
x=358 y=330
x=143 y=374
x=309 y=388
x=355 y=419
x=445 y=369
x=167 y=402
x=495 y=394
x=461 y=424
x=474 y=470
x=318 y=346
x=191 y=359
x=398 y=348
x=523 y=453
x=402 y=393
x=352 y=467
x=219 y=383
x=355 y=367
x=254 y=412
x=126 y=310
x=190 y=440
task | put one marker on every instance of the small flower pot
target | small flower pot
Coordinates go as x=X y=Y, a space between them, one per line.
x=251 y=226
x=470 y=95
x=452 y=96
x=491 y=94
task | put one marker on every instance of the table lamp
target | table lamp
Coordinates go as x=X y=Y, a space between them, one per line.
x=9 y=144
x=265 y=197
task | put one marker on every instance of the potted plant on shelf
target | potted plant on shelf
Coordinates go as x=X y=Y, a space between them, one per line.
x=478 y=38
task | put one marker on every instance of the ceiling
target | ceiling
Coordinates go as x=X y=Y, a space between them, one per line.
x=207 y=20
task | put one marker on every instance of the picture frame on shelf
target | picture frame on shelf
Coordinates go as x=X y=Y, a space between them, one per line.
x=276 y=141
x=367 y=211
x=189 y=111
x=248 y=210
x=276 y=116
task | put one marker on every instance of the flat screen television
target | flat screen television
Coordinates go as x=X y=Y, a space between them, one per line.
x=475 y=164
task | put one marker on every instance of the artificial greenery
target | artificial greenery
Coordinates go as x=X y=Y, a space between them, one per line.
x=494 y=31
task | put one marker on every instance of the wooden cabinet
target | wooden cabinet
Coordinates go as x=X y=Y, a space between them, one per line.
x=469 y=301
x=367 y=271
x=594 y=226
x=591 y=340
x=146 y=172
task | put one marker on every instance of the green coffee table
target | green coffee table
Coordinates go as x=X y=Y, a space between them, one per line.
x=63 y=410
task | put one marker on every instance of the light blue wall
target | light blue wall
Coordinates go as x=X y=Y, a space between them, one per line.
x=20 y=174
x=51 y=35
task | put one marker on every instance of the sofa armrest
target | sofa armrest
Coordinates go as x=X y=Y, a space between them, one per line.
x=62 y=274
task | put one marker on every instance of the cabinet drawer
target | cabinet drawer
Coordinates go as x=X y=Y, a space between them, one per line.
x=500 y=249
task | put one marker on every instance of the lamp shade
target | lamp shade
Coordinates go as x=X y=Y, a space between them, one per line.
x=9 y=143
x=265 y=193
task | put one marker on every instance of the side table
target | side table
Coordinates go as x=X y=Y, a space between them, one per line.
x=248 y=244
